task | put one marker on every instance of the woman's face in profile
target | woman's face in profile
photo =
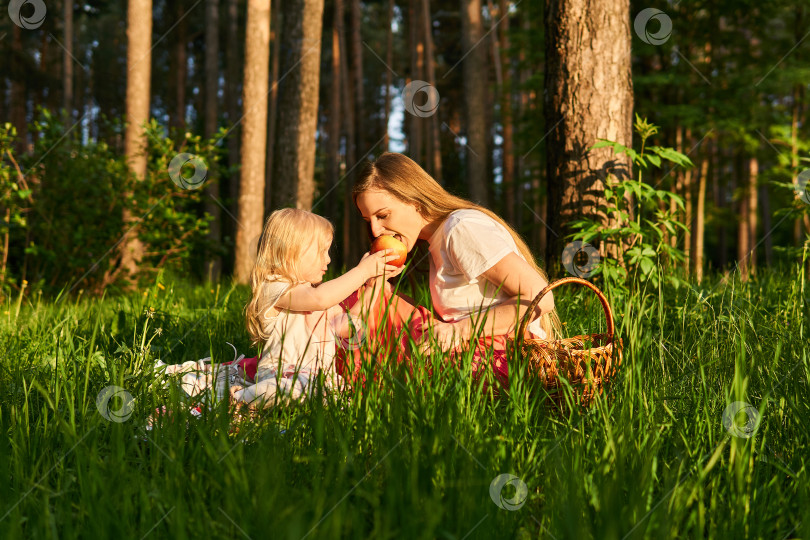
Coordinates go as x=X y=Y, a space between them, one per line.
x=386 y=214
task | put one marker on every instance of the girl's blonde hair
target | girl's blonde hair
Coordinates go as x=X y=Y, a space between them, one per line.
x=404 y=179
x=287 y=234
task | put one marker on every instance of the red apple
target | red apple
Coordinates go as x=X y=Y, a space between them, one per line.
x=389 y=242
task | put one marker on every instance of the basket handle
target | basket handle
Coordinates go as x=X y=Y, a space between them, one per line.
x=548 y=288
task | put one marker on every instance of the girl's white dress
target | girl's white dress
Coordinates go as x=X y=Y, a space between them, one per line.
x=301 y=345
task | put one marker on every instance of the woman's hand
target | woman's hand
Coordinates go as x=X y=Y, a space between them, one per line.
x=446 y=335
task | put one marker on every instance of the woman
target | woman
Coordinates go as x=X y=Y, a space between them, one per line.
x=482 y=274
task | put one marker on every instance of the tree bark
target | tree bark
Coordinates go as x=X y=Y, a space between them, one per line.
x=333 y=142
x=506 y=117
x=294 y=155
x=688 y=218
x=19 y=100
x=214 y=263
x=389 y=76
x=179 y=67
x=475 y=76
x=254 y=136
x=700 y=216
x=415 y=127
x=434 y=151
x=67 y=62
x=232 y=97
x=139 y=67
x=588 y=96
x=275 y=37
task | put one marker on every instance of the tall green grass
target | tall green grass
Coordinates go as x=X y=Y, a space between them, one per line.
x=412 y=456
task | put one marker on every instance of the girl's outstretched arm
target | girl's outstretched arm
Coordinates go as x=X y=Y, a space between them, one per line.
x=305 y=297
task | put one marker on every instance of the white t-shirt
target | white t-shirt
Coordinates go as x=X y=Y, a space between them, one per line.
x=464 y=246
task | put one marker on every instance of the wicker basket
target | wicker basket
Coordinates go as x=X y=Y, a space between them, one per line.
x=586 y=362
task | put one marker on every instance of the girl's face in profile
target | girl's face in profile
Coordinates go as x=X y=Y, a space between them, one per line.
x=315 y=260
x=386 y=214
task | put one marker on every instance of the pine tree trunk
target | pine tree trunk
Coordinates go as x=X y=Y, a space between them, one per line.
x=272 y=114
x=334 y=118
x=351 y=244
x=475 y=76
x=19 y=100
x=67 y=61
x=179 y=67
x=415 y=124
x=254 y=136
x=214 y=263
x=434 y=151
x=688 y=218
x=588 y=96
x=753 y=206
x=232 y=98
x=700 y=217
x=294 y=155
x=139 y=67
x=389 y=76
x=506 y=117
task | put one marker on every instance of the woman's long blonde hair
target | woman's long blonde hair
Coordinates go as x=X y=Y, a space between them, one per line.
x=404 y=179
x=287 y=234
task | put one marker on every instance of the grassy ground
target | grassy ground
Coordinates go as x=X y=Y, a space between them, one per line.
x=412 y=459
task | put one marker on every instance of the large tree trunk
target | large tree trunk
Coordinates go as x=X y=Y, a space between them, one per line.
x=588 y=96
x=475 y=75
x=294 y=167
x=254 y=136
x=211 y=110
x=67 y=62
x=139 y=67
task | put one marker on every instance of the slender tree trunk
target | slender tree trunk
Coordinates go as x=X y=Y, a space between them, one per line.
x=67 y=61
x=588 y=96
x=350 y=243
x=357 y=65
x=334 y=119
x=254 y=135
x=179 y=69
x=688 y=210
x=275 y=37
x=753 y=205
x=415 y=132
x=233 y=100
x=700 y=216
x=794 y=155
x=506 y=117
x=19 y=100
x=475 y=78
x=211 y=111
x=139 y=67
x=389 y=76
x=294 y=156
x=434 y=151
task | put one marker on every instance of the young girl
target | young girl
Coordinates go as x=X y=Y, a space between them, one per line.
x=294 y=314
